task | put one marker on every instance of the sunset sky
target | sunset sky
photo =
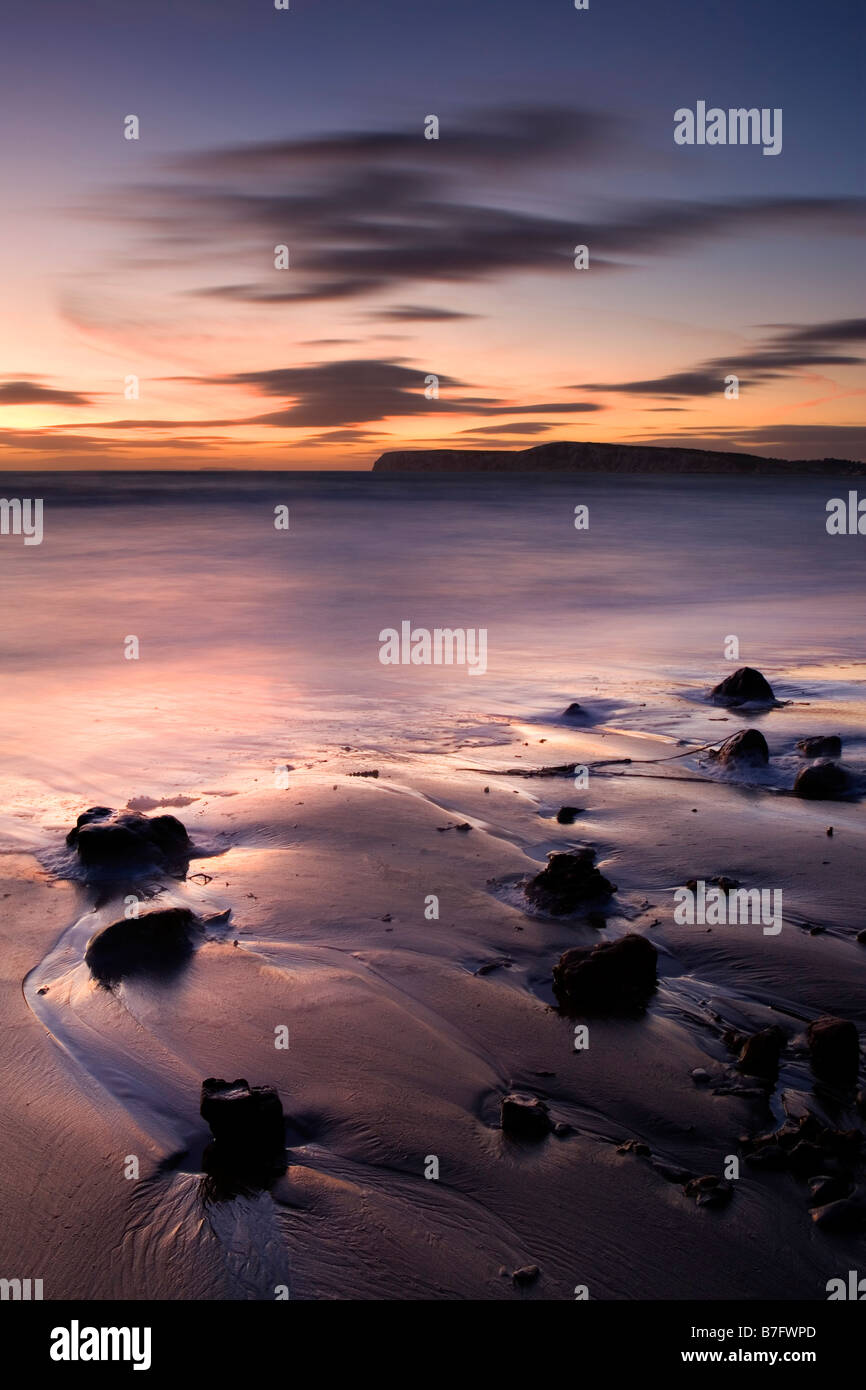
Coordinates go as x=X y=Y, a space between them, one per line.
x=411 y=257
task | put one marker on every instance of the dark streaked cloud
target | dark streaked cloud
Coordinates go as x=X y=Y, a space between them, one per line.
x=27 y=391
x=419 y=313
x=363 y=390
x=794 y=348
x=370 y=212
x=512 y=427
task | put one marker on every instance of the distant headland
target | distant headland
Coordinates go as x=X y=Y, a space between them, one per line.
x=567 y=457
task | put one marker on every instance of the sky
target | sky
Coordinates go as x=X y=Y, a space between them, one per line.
x=431 y=297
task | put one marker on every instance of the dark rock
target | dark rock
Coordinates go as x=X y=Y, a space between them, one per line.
x=127 y=840
x=527 y=1275
x=718 y=881
x=829 y=746
x=524 y=1117
x=613 y=976
x=768 y=1156
x=248 y=1129
x=744 y=686
x=821 y=782
x=847 y=1215
x=834 y=1049
x=635 y=1146
x=805 y=1146
x=861 y=937
x=700 y=1076
x=566 y=814
x=574 y=711
x=746 y=746
x=760 y=1053
x=568 y=882
x=709 y=1191
x=806 y=1159
x=489 y=965
x=156 y=943
x=561 y=1129
x=829 y=1187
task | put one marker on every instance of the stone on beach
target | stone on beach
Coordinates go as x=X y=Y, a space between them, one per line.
x=744 y=686
x=821 y=782
x=524 y=1117
x=828 y=746
x=834 y=1049
x=709 y=1191
x=121 y=840
x=569 y=881
x=759 y=1055
x=748 y=746
x=611 y=976
x=156 y=943
x=574 y=711
x=248 y=1128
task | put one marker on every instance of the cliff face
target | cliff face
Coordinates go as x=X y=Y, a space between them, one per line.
x=601 y=458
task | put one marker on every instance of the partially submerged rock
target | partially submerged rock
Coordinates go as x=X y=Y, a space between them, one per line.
x=746 y=746
x=524 y=1117
x=248 y=1128
x=566 y=814
x=574 y=711
x=569 y=882
x=123 y=841
x=745 y=686
x=610 y=977
x=806 y=1147
x=759 y=1054
x=156 y=943
x=834 y=1049
x=821 y=782
x=709 y=1191
x=828 y=746
x=846 y=1216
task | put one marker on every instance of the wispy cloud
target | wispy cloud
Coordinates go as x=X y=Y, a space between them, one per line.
x=793 y=348
x=29 y=391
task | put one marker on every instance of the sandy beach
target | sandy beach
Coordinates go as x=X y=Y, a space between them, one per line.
x=405 y=1033
x=362 y=841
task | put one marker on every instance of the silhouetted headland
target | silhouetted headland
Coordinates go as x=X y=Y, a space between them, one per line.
x=566 y=457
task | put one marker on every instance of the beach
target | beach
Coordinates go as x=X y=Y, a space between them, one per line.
x=366 y=833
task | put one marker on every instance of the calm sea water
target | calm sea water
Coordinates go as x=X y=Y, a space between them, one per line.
x=258 y=645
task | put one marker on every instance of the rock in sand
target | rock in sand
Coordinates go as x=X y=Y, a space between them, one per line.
x=613 y=976
x=745 y=686
x=568 y=882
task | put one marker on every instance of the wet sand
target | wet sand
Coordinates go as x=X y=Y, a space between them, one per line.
x=400 y=1050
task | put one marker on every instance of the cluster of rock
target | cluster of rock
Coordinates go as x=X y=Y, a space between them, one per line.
x=833 y=1045
x=828 y=1159
x=248 y=1150
x=822 y=781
